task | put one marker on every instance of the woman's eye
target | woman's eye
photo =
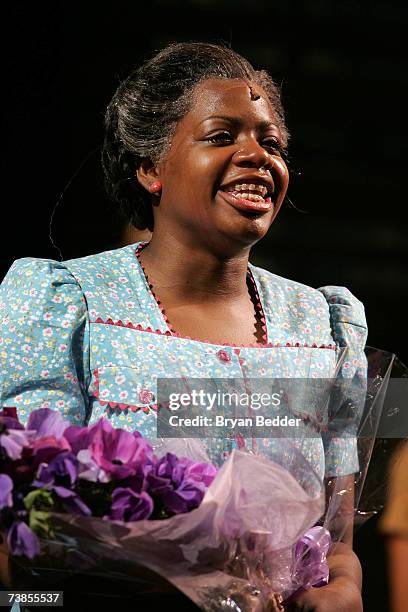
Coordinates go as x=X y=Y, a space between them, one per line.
x=221 y=138
x=273 y=145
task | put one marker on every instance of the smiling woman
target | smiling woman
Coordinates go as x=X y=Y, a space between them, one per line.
x=194 y=151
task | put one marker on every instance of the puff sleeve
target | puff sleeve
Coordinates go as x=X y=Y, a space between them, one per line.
x=349 y=329
x=44 y=340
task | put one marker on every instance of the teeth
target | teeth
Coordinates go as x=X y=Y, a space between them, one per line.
x=249 y=196
x=247 y=187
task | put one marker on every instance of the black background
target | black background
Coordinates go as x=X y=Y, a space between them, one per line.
x=343 y=74
x=343 y=70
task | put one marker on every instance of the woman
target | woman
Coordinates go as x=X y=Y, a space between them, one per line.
x=195 y=152
x=394 y=526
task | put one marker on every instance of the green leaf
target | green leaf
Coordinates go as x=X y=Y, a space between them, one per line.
x=40 y=499
x=40 y=522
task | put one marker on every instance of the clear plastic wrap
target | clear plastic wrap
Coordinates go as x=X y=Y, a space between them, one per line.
x=268 y=520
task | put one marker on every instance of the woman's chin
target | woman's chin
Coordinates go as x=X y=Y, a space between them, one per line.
x=244 y=225
x=245 y=233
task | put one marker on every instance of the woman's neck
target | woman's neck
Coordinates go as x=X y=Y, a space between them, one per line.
x=195 y=272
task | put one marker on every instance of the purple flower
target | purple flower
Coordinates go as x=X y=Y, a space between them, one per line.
x=167 y=482
x=60 y=475
x=79 y=437
x=89 y=469
x=167 y=474
x=118 y=452
x=186 y=497
x=61 y=470
x=43 y=450
x=71 y=501
x=6 y=488
x=47 y=423
x=21 y=540
x=201 y=472
x=13 y=440
x=127 y=505
x=137 y=482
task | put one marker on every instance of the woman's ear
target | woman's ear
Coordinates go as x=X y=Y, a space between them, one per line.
x=146 y=173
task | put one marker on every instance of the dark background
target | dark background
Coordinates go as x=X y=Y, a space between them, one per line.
x=343 y=76
x=343 y=70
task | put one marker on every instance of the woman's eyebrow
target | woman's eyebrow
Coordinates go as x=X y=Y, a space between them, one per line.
x=236 y=121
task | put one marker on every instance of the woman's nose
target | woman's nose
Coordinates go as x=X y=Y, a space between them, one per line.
x=252 y=155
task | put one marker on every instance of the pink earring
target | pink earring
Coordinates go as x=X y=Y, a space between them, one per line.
x=155 y=188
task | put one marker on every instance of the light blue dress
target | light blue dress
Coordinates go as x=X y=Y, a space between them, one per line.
x=88 y=338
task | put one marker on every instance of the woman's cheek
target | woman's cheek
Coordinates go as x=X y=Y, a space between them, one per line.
x=280 y=173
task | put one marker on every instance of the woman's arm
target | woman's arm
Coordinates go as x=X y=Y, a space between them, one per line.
x=397 y=549
x=394 y=527
x=343 y=592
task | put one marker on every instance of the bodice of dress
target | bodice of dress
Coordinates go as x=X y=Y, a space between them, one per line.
x=88 y=338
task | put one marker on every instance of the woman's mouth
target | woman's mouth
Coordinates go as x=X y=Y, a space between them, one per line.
x=248 y=197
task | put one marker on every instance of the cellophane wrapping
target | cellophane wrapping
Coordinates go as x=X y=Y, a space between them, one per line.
x=263 y=527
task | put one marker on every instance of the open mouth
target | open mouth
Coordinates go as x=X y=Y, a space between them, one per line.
x=248 y=197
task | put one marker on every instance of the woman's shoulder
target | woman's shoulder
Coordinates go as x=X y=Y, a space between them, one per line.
x=37 y=271
x=337 y=305
x=112 y=261
x=287 y=288
x=40 y=290
x=331 y=297
x=36 y=277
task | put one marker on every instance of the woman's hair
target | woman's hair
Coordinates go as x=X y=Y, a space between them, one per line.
x=143 y=114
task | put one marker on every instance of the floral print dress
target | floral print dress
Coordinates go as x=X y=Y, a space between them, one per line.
x=88 y=338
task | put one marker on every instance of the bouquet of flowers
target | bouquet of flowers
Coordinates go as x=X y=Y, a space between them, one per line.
x=73 y=496
x=102 y=501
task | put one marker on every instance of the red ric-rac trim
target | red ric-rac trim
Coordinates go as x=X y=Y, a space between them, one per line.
x=120 y=405
x=172 y=332
x=138 y=250
x=260 y=315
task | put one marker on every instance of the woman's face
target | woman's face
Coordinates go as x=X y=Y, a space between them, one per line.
x=223 y=178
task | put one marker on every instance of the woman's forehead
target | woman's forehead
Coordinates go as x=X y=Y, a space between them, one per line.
x=235 y=97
